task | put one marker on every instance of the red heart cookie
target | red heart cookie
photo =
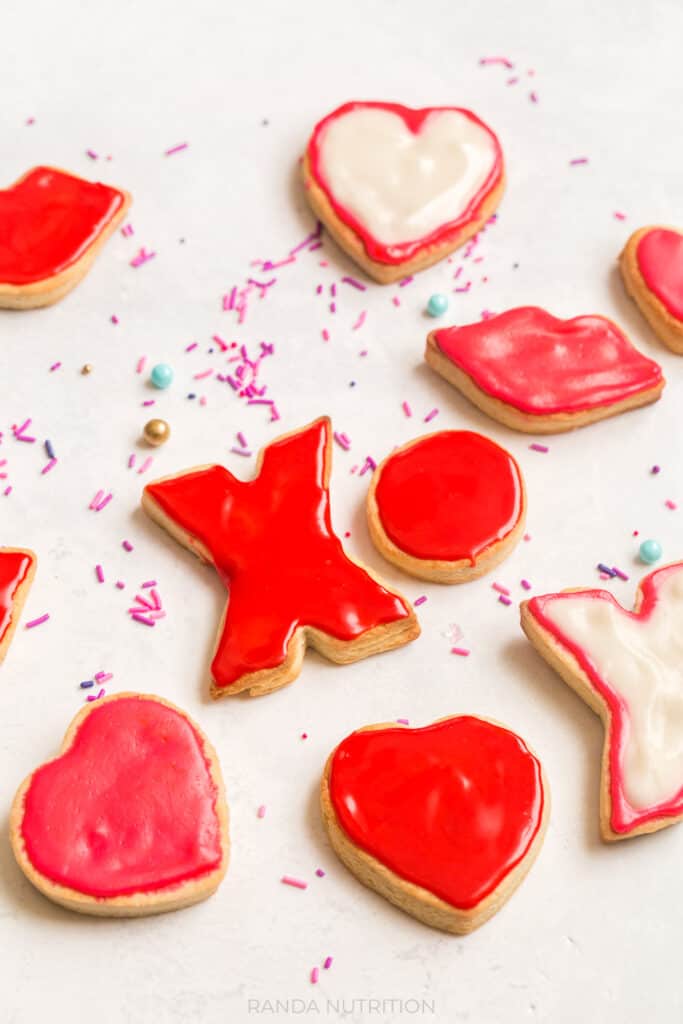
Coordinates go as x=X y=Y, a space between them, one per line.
x=17 y=569
x=444 y=821
x=51 y=226
x=400 y=188
x=130 y=818
x=652 y=268
x=447 y=507
x=537 y=373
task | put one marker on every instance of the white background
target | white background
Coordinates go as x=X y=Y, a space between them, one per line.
x=594 y=932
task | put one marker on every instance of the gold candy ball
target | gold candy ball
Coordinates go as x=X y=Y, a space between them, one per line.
x=86 y=369
x=156 y=432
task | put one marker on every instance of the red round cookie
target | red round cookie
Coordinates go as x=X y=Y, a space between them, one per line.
x=447 y=506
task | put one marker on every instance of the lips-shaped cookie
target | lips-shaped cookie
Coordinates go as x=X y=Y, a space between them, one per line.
x=17 y=569
x=443 y=821
x=400 y=188
x=447 y=507
x=652 y=268
x=52 y=225
x=130 y=818
x=537 y=373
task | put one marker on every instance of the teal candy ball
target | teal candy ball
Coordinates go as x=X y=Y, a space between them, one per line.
x=650 y=551
x=162 y=375
x=437 y=305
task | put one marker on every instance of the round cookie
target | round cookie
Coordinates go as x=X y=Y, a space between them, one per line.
x=443 y=821
x=130 y=818
x=447 y=507
x=399 y=189
x=651 y=266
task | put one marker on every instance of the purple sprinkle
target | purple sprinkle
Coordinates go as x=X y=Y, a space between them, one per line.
x=405 y=281
x=328 y=963
x=420 y=600
x=655 y=470
x=95 y=696
x=320 y=873
x=99 y=572
x=403 y=721
x=430 y=415
x=37 y=622
x=526 y=584
x=240 y=451
x=606 y=569
x=87 y=684
x=504 y=600
x=176 y=149
x=354 y=283
x=619 y=573
x=50 y=450
x=578 y=160
x=535 y=447
x=126 y=545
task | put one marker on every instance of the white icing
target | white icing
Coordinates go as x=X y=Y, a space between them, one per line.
x=641 y=660
x=402 y=186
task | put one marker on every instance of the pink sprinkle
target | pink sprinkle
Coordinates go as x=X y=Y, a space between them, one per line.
x=143 y=256
x=131 y=460
x=360 y=321
x=105 y=501
x=671 y=504
x=619 y=215
x=527 y=537
x=430 y=415
x=126 y=545
x=261 y=813
x=142 y=618
x=150 y=401
x=103 y=677
x=241 y=439
x=148 y=584
x=512 y=81
x=240 y=451
x=619 y=573
x=203 y=375
x=325 y=334
x=504 y=600
x=354 y=283
x=120 y=584
x=296 y=882
x=333 y=307
x=539 y=447
x=7 y=491
x=96 y=500
x=146 y=464
x=314 y=976
x=320 y=873
x=191 y=346
x=37 y=622
x=95 y=696
x=500 y=588
x=462 y=651
x=114 y=319
x=141 y=364
x=406 y=408
x=92 y=154
x=328 y=963
x=497 y=60
x=219 y=341
x=304 y=735
x=396 y=301
x=127 y=230
x=419 y=600
x=342 y=440
x=99 y=572
x=55 y=366
x=578 y=160
x=533 y=97
x=525 y=584
x=176 y=149
x=403 y=721
x=48 y=466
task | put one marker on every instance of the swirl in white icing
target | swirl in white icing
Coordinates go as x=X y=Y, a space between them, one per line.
x=639 y=658
x=400 y=185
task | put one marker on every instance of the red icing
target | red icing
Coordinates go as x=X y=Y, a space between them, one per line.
x=624 y=818
x=14 y=568
x=449 y=496
x=541 y=365
x=48 y=220
x=271 y=540
x=660 y=260
x=130 y=807
x=394 y=254
x=452 y=807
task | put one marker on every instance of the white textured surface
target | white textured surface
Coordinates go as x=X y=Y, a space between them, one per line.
x=594 y=932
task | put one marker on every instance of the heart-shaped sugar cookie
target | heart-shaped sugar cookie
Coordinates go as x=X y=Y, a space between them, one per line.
x=652 y=268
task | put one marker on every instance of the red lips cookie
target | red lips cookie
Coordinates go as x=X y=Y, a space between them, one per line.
x=17 y=569
x=52 y=225
x=130 y=818
x=652 y=268
x=399 y=188
x=536 y=373
x=443 y=821
x=447 y=507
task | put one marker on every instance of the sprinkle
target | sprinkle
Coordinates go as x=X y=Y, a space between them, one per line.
x=326 y=334
x=140 y=364
x=368 y=464
x=497 y=60
x=55 y=366
x=151 y=401
x=92 y=154
x=37 y=622
x=342 y=440
x=176 y=149
x=405 y=281
x=127 y=230
x=240 y=451
x=619 y=215
x=261 y=812
x=191 y=346
x=49 y=449
x=146 y=464
x=578 y=160
x=95 y=696
x=131 y=460
x=114 y=319
x=360 y=321
x=148 y=584
x=138 y=617
x=103 y=677
x=87 y=684
x=304 y=735
x=320 y=873
x=406 y=408
x=396 y=301
x=241 y=439
x=606 y=569
x=99 y=572
x=501 y=589
x=7 y=491
x=143 y=256
x=296 y=882
x=504 y=600
x=525 y=584
x=328 y=963
x=671 y=504
x=314 y=976
x=526 y=537
x=202 y=375
x=619 y=573
x=533 y=97
x=219 y=341
x=655 y=470
x=105 y=501
x=48 y=466
x=430 y=415
x=419 y=600
x=354 y=283
x=403 y=721
x=462 y=651
x=126 y=545
x=535 y=447
x=120 y=584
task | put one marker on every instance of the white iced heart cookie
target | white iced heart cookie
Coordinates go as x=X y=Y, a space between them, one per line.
x=629 y=667
x=398 y=188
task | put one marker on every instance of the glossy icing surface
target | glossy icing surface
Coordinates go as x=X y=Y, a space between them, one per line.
x=14 y=568
x=541 y=365
x=634 y=660
x=48 y=220
x=452 y=807
x=130 y=807
x=449 y=496
x=272 y=542
x=660 y=260
x=404 y=179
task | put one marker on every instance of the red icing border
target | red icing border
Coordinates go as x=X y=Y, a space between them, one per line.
x=400 y=253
